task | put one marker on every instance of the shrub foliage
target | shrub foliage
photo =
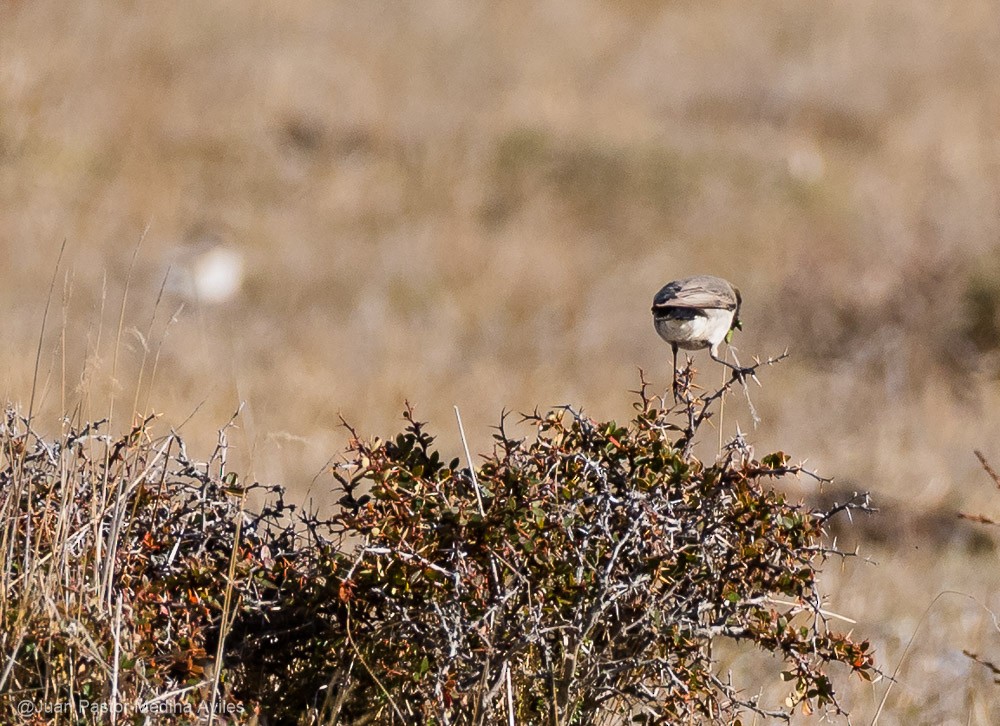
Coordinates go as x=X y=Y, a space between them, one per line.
x=575 y=575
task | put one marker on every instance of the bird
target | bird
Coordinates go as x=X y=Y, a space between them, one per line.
x=206 y=271
x=698 y=312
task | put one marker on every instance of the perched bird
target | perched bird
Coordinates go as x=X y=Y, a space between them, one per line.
x=697 y=312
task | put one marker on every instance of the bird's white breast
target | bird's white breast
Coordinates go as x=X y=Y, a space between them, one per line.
x=704 y=330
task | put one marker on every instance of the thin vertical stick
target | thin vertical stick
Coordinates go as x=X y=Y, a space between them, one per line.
x=107 y=574
x=145 y=348
x=114 y=664
x=41 y=337
x=722 y=412
x=468 y=459
x=510 y=698
x=19 y=478
x=493 y=564
x=229 y=611
x=722 y=407
x=121 y=322
x=62 y=345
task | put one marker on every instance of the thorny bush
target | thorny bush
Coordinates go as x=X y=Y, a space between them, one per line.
x=580 y=575
x=575 y=576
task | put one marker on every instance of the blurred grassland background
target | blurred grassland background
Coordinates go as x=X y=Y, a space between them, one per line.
x=471 y=203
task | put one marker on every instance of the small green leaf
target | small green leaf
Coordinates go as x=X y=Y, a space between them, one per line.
x=776 y=460
x=422 y=669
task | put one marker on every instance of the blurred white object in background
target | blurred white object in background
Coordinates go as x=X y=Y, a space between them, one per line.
x=207 y=272
x=805 y=162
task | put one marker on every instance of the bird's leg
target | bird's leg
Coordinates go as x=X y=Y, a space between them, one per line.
x=674 y=348
x=740 y=370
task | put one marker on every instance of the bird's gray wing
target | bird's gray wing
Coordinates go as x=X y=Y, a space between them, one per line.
x=697 y=292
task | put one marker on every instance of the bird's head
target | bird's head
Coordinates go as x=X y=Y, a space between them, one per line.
x=737 y=323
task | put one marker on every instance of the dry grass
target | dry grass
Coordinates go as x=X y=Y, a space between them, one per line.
x=470 y=203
